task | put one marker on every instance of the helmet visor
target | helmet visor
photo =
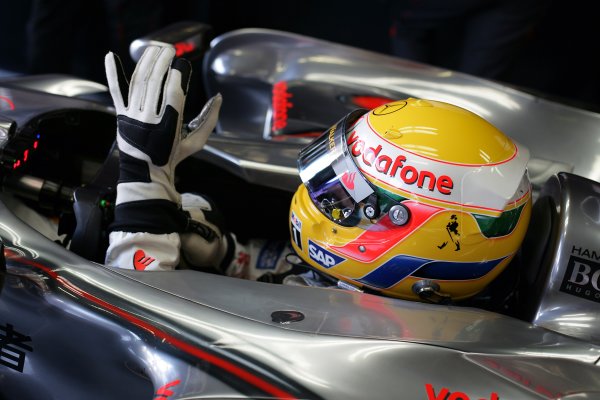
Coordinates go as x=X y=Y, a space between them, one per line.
x=333 y=181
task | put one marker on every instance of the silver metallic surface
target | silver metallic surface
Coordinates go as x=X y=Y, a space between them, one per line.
x=6 y=128
x=348 y=344
x=429 y=291
x=188 y=38
x=241 y=63
x=370 y=211
x=30 y=104
x=569 y=302
x=62 y=85
x=407 y=347
x=398 y=214
x=27 y=186
x=137 y=47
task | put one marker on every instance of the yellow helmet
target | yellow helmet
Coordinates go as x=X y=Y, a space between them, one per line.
x=414 y=198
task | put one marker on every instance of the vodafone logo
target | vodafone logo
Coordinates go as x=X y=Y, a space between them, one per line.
x=377 y=161
x=446 y=394
x=348 y=179
x=448 y=171
x=141 y=261
x=165 y=391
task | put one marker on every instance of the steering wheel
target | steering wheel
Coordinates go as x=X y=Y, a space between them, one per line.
x=93 y=206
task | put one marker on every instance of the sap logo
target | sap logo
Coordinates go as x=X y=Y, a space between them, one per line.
x=446 y=394
x=323 y=257
x=582 y=279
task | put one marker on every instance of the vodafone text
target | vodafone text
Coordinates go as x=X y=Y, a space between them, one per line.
x=384 y=164
x=446 y=394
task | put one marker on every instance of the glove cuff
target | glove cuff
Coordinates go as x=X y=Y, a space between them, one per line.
x=158 y=189
x=143 y=251
x=155 y=216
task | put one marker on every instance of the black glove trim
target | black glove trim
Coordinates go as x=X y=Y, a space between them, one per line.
x=230 y=252
x=155 y=140
x=151 y=216
x=185 y=67
x=121 y=79
x=201 y=229
x=212 y=215
x=132 y=169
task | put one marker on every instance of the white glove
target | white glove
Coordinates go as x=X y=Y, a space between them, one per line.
x=152 y=141
x=251 y=260
x=205 y=250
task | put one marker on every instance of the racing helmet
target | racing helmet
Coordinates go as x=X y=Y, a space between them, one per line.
x=415 y=199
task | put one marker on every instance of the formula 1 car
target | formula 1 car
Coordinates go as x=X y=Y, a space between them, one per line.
x=71 y=328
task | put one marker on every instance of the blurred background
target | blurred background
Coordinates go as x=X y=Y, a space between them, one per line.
x=543 y=46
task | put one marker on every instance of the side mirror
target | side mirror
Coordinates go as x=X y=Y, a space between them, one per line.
x=189 y=38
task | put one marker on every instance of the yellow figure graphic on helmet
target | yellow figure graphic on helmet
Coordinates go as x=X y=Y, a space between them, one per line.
x=412 y=199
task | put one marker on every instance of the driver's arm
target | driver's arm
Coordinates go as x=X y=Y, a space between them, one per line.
x=154 y=225
x=149 y=217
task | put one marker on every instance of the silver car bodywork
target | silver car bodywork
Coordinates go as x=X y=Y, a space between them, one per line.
x=561 y=138
x=82 y=330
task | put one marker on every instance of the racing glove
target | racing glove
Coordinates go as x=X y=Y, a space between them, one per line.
x=152 y=141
